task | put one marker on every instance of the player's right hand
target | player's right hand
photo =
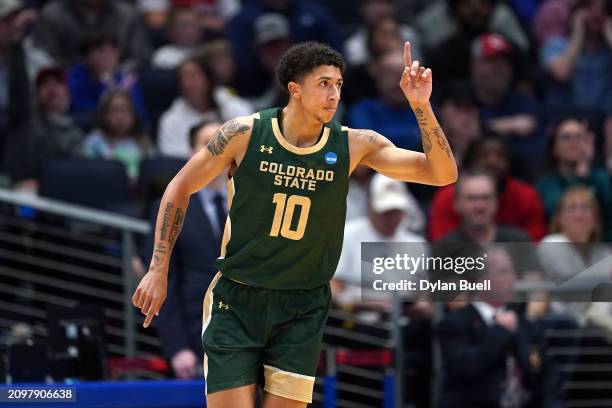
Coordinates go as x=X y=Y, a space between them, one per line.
x=151 y=293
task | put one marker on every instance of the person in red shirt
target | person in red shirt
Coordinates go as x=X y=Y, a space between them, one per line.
x=519 y=204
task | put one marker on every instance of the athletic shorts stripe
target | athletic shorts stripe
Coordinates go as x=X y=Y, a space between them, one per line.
x=207 y=314
x=288 y=385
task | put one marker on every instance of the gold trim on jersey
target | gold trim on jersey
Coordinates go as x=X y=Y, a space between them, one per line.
x=344 y=128
x=288 y=385
x=294 y=149
x=227 y=231
x=256 y=116
x=207 y=314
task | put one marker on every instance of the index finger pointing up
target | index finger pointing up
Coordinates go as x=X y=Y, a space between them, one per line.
x=407 y=55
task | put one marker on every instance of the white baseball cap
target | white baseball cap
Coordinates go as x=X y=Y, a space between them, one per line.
x=387 y=194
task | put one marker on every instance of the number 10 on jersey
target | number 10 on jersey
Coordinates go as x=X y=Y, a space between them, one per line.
x=283 y=216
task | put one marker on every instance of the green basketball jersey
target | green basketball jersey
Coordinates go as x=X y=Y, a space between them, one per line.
x=287 y=208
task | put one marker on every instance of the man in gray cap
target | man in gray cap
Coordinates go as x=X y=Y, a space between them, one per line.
x=271 y=39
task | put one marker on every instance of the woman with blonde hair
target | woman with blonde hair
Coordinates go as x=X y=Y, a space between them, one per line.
x=572 y=253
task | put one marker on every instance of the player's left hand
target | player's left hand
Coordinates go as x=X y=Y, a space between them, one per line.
x=416 y=80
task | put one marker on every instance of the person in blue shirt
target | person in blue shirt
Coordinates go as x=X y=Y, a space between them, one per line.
x=98 y=73
x=580 y=64
x=388 y=113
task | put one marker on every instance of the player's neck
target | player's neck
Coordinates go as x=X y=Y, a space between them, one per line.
x=299 y=128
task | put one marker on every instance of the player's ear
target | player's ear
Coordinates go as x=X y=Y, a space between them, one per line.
x=294 y=89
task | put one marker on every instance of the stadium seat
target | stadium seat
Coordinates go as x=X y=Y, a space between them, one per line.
x=156 y=173
x=101 y=184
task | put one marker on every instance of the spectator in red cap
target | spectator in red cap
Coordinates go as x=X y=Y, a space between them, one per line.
x=503 y=108
x=447 y=29
x=53 y=134
x=62 y=136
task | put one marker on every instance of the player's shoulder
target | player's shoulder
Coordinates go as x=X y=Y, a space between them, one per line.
x=266 y=114
x=240 y=125
x=362 y=135
x=233 y=136
x=241 y=122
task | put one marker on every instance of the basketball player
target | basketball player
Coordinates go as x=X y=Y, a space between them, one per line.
x=265 y=311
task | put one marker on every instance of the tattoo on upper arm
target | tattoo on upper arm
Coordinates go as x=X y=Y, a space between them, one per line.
x=177 y=224
x=220 y=140
x=366 y=134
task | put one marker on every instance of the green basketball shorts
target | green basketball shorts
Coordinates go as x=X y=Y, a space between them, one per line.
x=267 y=336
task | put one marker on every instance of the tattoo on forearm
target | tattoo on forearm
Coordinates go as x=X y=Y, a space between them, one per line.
x=161 y=248
x=426 y=141
x=220 y=140
x=163 y=232
x=157 y=260
x=427 y=130
x=420 y=117
x=177 y=224
x=441 y=140
x=366 y=134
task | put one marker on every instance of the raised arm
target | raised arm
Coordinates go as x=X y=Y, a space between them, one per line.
x=562 y=66
x=437 y=165
x=227 y=147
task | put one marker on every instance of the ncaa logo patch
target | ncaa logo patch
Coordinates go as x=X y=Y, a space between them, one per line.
x=331 y=158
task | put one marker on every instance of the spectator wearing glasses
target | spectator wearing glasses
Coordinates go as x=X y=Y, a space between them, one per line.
x=571 y=154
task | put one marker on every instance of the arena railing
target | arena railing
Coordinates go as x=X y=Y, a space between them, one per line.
x=55 y=254
x=582 y=387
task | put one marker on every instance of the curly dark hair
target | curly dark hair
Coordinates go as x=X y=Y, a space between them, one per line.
x=300 y=59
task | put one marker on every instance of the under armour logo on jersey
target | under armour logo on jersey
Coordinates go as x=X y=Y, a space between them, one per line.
x=266 y=149
x=223 y=305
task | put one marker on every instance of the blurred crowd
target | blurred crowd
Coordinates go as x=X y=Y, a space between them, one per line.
x=522 y=88
x=126 y=80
